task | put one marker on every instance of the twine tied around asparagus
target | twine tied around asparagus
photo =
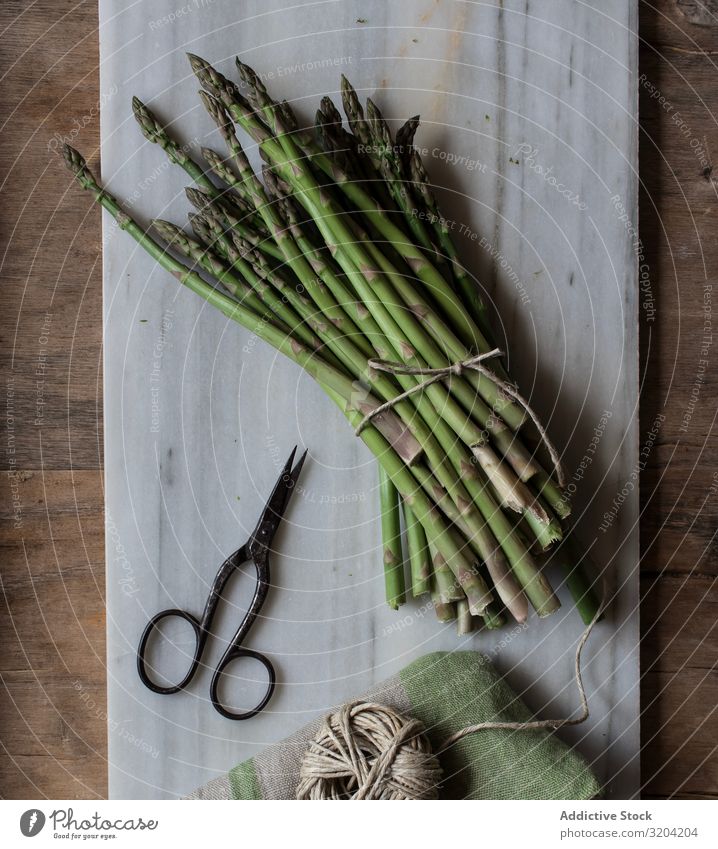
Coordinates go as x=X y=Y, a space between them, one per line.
x=366 y=750
x=433 y=375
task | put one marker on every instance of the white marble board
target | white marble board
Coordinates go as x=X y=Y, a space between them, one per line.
x=529 y=121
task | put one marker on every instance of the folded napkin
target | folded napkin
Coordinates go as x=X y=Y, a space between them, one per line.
x=447 y=691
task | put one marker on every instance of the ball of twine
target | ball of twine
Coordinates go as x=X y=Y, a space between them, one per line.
x=369 y=751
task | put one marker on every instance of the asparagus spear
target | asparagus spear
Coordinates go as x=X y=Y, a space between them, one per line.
x=446 y=587
x=391 y=542
x=419 y=555
x=445 y=610
x=581 y=576
x=465 y=623
x=154 y=132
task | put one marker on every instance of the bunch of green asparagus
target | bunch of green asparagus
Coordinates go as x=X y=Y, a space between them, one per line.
x=340 y=258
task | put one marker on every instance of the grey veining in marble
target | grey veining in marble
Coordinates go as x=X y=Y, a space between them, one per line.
x=529 y=126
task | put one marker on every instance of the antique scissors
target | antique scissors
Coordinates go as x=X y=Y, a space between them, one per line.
x=255 y=550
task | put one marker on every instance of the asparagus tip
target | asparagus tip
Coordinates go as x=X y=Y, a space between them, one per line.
x=77 y=165
x=149 y=125
x=166 y=229
x=197 y=63
x=211 y=157
x=207 y=99
x=198 y=198
x=205 y=73
x=200 y=226
x=73 y=159
x=350 y=101
x=329 y=111
x=246 y=73
x=219 y=114
x=405 y=136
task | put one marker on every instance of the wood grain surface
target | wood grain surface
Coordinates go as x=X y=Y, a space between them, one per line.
x=53 y=726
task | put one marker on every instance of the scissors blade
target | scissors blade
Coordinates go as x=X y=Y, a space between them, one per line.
x=278 y=501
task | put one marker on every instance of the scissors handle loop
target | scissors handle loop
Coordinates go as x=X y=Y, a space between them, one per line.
x=236 y=653
x=200 y=638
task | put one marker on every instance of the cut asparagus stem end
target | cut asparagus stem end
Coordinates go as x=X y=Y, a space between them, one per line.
x=547 y=533
x=465 y=622
x=557 y=500
x=445 y=610
x=507 y=587
x=510 y=490
x=493 y=619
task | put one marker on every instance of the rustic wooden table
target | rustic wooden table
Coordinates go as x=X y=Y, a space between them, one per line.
x=53 y=722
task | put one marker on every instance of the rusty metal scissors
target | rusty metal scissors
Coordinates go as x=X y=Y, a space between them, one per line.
x=255 y=550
